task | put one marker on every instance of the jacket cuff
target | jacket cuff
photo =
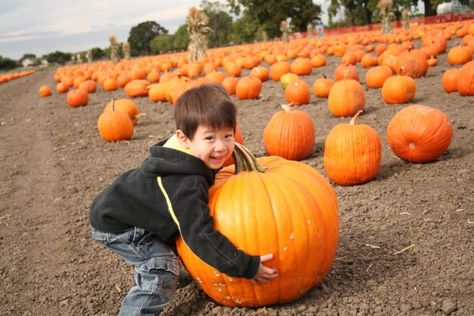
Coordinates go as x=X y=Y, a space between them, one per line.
x=252 y=267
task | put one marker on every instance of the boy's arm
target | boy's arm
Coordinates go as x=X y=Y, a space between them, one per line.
x=190 y=211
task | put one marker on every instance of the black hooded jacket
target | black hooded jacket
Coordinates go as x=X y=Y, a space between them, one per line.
x=168 y=196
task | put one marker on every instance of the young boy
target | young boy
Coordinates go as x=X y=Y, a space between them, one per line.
x=142 y=213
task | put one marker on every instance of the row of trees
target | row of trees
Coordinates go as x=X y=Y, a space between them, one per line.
x=255 y=20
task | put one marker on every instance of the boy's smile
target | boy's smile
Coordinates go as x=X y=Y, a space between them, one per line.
x=213 y=147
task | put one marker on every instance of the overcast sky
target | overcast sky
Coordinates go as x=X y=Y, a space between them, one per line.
x=44 y=26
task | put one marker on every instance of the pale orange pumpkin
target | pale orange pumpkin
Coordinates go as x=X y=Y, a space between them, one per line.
x=278 y=69
x=466 y=79
x=301 y=66
x=346 y=98
x=352 y=153
x=419 y=133
x=289 y=134
x=273 y=197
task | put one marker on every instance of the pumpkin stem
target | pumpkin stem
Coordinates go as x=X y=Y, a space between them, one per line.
x=356 y=116
x=287 y=107
x=245 y=160
x=113 y=105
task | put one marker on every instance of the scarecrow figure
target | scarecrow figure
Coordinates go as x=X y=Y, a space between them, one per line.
x=385 y=7
x=405 y=19
x=197 y=29
x=285 y=29
x=126 y=50
x=114 y=53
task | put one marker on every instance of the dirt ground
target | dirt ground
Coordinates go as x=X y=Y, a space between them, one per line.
x=406 y=238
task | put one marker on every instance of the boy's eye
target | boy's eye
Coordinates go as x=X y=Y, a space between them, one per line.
x=229 y=136
x=209 y=138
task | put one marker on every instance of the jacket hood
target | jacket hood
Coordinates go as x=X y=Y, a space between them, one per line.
x=167 y=161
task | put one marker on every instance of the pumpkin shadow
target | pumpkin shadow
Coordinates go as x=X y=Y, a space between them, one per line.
x=388 y=170
x=454 y=153
x=370 y=109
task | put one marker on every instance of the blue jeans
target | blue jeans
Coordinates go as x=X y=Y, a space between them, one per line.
x=157 y=269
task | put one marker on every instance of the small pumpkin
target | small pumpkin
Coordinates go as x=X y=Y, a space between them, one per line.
x=76 y=98
x=248 y=87
x=301 y=66
x=352 y=153
x=419 y=133
x=115 y=125
x=346 y=98
x=287 y=78
x=466 y=79
x=125 y=105
x=273 y=197
x=450 y=80
x=297 y=92
x=136 y=88
x=230 y=83
x=399 y=90
x=289 y=134
x=459 y=55
x=278 y=69
x=45 y=91
x=376 y=76
x=322 y=86
x=345 y=71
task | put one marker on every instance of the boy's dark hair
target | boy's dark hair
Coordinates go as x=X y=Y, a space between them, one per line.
x=207 y=105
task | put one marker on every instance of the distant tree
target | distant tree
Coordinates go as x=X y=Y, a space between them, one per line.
x=97 y=53
x=58 y=57
x=270 y=13
x=141 y=35
x=7 y=63
x=219 y=21
x=162 y=44
x=181 y=38
x=244 y=30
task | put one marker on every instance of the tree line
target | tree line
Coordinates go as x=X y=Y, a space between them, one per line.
x=246 y=21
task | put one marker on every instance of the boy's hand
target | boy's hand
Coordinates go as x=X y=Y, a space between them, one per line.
x=264 y=273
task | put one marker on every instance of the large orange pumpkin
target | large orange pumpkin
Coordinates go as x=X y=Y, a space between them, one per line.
x=281 y=207
x=352 y=153
x=450 y=80
x=289 y=134
x=419 y=133
x=115 y=125
x=346 y=98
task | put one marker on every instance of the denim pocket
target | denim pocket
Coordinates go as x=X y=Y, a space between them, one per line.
x=159 y=275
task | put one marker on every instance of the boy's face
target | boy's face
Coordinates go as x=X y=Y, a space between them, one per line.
x=213 y=147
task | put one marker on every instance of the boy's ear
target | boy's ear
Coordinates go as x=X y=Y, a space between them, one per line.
x=183 y=139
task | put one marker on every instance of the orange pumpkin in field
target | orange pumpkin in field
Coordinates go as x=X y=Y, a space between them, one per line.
x=45 y=91
x=376 y=76
x=278 y=69
x=115 y=125
x=297 y=92
x=345 y=71
x=346 y=98
x=136 y=88
x=76 y=98
x=289 y=134
x=230 y=83
x=301 y=66
x=322 y=86
x=248 y=88
x=352 y=153
x=124 y=105
x=274 y=197
x=419 y=133
x=450 y=80
x=399 y=90
x=466 y=79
